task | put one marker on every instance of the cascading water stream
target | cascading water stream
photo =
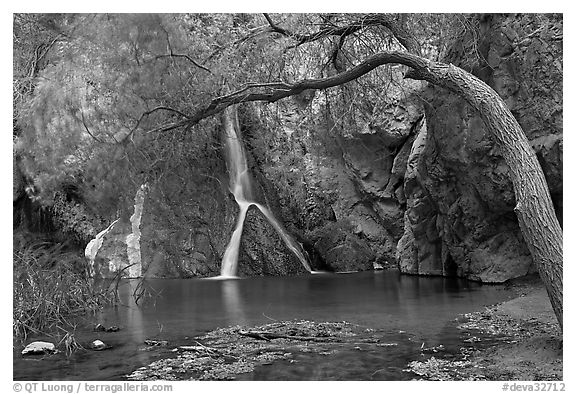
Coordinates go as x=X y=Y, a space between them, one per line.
x=242 y=191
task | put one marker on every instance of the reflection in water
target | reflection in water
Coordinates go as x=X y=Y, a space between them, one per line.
x=127 y=314
x=233 y=308
x=134 y=314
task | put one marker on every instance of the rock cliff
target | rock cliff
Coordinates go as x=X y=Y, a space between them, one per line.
x=339 y=191
x=459 y=218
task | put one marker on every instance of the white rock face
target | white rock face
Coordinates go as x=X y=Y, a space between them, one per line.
x=39 y=347
x=94 y=246
x=133 y=239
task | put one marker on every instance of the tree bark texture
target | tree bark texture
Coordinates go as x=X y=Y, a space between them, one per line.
x=534 y=209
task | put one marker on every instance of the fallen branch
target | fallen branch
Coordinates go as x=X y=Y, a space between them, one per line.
x=267 y=336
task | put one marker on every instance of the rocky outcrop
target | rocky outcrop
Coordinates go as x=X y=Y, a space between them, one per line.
x=428 y=194
x=112 y=255
x=117 y=248
x=341 y=250
x=133 y=239
x=262 y=250
x=419 y=249
x=183 y=226
x=91 y=250
x=350 y=180
x=186 y=226
x=459 y=218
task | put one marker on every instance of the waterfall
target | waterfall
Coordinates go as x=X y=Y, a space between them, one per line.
x=242 y=190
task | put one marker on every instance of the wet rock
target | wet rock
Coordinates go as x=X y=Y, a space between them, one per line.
x=39 y=347
x=155 y=342
x=262 y=250
x=355 y=175
x=99 y=345
x=342 y=250
x=100 y=327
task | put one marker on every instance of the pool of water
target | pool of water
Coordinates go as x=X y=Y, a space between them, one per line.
x=407 y=310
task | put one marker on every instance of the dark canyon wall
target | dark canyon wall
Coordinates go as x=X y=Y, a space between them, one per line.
x=340 y=192
x=459 y=218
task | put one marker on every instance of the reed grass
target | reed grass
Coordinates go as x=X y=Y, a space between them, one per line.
x=51 y=288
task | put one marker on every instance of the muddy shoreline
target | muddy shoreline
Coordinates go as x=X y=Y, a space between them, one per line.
x=533 y=350
x=528 y=348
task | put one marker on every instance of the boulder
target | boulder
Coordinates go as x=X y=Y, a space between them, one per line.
x=98 y=345
x=342 y=250
x=100 y=327
x=39 y=347
x=262 y=250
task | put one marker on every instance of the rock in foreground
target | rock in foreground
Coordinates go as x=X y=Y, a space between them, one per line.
x=39 y=347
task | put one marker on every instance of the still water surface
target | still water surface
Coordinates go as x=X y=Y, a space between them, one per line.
x=407 y=310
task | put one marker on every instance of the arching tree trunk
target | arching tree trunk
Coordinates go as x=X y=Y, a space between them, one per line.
x=534 y=208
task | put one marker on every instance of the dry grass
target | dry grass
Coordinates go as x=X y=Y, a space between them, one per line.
x=51 y=286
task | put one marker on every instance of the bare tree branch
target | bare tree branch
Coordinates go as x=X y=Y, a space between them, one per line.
x=385 y=20
x=147 y=113
x=274 y=91
x=40 y=53
x=88 y=130
x=178 y=55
